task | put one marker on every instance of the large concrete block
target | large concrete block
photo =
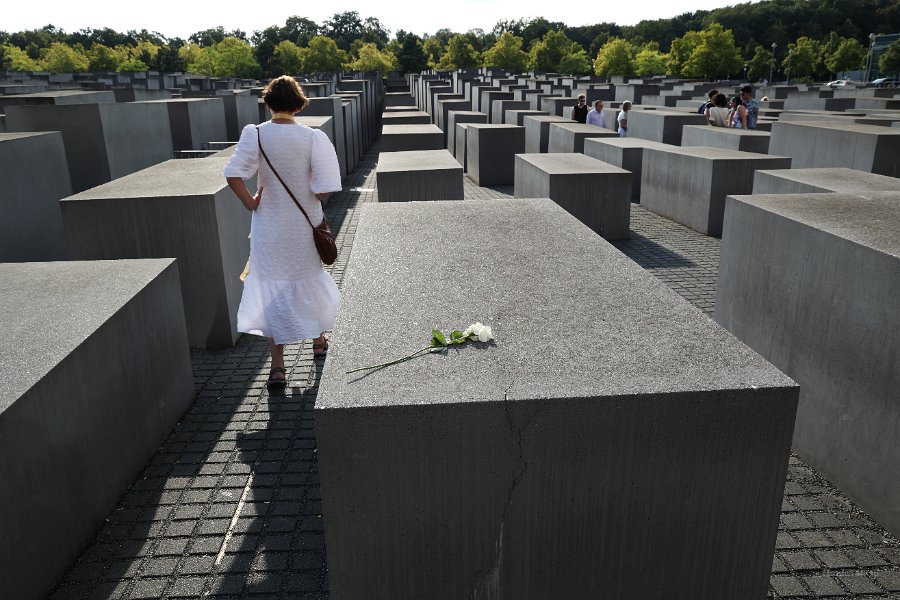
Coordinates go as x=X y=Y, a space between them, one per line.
x=410 y=117
x=322 y=123
x=94 y=374
x=195 y=121
x=399 y=99
x=661 y=126
x=596 y=193
x=490 y=152
x=103 y=141
x=407 y=138
x=861 y=147
x=488 y=97
x=810 y=282
x=500 y=108
x=444 y=107
x=331 y=106
x=811 y=181
x=142 y=95
x=745 y=140
x=517 y=117
x=689 y=185
x=35 y=178
x=627 y=447
x=455 y=117
x=561 y=107
x=132 y=217
x=537 y=131
x=240 y=109
x=627 y=153
x=569 y=137
x=58 y=98
x=419 y=175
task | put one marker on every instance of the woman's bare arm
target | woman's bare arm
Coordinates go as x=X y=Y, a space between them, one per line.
x=240 y=190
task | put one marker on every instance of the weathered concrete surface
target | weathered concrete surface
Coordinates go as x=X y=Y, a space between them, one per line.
x=195 y=121
x=806 y=181
x=862 y=147
x=810 y=282
x=407 y=138
x=596 y=193
x=411 y=117
x=103 y=141
x=500 y=108
x=35 y=178
x=689 y=185
x=58 y=98
x=745 y=140
x=94 y=374
x=132 y=217
x=569 y=137
x=626 y=447
x=460 y=116
x=517 y=117
x=490 y=152
x=419 y=175
x=332 y=106
x=626 y=153
x=537 y=132
x=663 y=126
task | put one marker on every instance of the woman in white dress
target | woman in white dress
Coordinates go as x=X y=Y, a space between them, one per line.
x=287 y=296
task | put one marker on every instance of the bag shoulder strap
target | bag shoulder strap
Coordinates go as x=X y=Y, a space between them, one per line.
x=290 y=193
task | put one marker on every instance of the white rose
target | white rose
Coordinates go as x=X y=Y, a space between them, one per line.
x=482 y=332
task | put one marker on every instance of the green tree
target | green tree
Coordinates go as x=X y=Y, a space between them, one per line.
x=132 y=64
x=343 y=28
x=215 y=35
x=680 y=52
x=548 y=52
x=576 y=63
x=616 y=57
x=507 y=53
x=231 y=57
x=289 y=57
x=760 y=65
x=17 y=60
x=370 y=58
x=60 y=58
x=410 y=53
x=433 y=51
x=849 y=55
x=650 y=61
x=324 y=55
x=890 y=60
x=297 y=30
x=716 y=54
x=104 y=58
x=803 y=58
x=460 y=54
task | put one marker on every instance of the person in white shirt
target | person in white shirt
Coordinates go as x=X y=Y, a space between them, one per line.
x=596 y=116
x=623 y=119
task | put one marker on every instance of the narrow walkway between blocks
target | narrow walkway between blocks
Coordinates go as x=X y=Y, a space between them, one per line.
x=229 y=505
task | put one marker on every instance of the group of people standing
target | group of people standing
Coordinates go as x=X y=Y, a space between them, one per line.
x=740 y=113
x=595 y=116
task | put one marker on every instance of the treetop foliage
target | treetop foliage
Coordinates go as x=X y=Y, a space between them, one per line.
x=813 y=40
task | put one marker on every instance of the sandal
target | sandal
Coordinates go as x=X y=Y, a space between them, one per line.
x=320 y=348
x=274 y=383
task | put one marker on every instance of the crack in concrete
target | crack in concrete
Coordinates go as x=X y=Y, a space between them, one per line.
x=488 y=584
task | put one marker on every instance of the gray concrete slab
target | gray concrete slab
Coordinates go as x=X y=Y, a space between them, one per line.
x=444 y=107
x=103 y=141
x=58 y=98
x=537 y=132
x=36 y=177
x=488 y=97
x=419 y=175
x=322 y=123
x=570 y=137
x=490 y=152
x=627 y=405
x=500 y=108
x=410 y=117
x=561 y=107
x=399 y=99
x=626 y=153
x=94 y=373
x=810 y=282
x=828 y=180
x=689 y=185
x=861 y=147
x=517 y=117
x=460 y=147
x=132 y=217
x=407 y=138
x=745 y=140
x=195 y=121
x=594 y=192
x=460 y=116
x=661 y=126
x=332 y=106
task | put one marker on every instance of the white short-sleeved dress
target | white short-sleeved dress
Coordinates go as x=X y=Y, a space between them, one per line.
x=287 y=296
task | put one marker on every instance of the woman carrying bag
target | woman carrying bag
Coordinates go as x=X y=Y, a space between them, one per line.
x=288 y=296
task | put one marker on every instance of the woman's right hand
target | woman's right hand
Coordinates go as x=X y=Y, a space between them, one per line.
x=258 y=196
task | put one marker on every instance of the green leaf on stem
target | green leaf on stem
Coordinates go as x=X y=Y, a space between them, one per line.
x=437 y=338
x=457 y=337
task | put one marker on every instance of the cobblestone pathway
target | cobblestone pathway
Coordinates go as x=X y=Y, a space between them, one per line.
x=229 y=505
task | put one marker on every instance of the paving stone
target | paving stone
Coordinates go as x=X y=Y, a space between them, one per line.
x=800 y=561
x=834 y=559
x=789 y=587
x=859 y=584
x=824 y=586
x=889 y=580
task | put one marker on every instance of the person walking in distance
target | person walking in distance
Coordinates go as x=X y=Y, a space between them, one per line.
x=622 y=119
x=580 y=110
x=596 y=116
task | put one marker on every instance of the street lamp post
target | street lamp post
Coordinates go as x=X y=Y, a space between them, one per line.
x=772 y=65
x=870 y=57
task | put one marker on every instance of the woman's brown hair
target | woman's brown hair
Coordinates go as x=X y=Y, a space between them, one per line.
x=283 y=94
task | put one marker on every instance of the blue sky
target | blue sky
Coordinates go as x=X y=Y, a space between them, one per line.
x=179 y=18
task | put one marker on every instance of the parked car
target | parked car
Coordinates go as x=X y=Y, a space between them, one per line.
x=885 y=82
